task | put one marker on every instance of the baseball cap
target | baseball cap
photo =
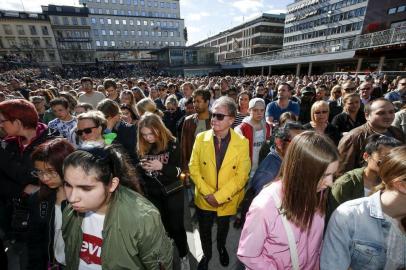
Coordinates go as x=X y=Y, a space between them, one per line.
x=254 y=102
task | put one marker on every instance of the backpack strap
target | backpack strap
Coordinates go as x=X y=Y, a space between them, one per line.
x=289 y=233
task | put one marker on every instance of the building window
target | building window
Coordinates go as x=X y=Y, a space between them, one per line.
x=100 y=11
x=65 y=21
x=139 y=33
x=125 y=32
x=55 y=20
x=95 y=32
x=117 y=22
x=158 y=23
x=91 y=10
x=101 y=21
x=145 y=23
x=33 y=29
x=129 y=13
x=83 y=21
x=135 y=2
x=159 y=33
x=20 y=30
x=93 y=20
x=174 y=6
x=162 y=5
x=114 y=1
x=401 y=9
x=105 y=43
x=108 y=21
x=143 y=13
x=152 y=23
x=85 y=34
x=97 y=43
x=128 y=2
x=153 y=33
x=111 y=32
x=103 y=32
x=132 y=32
x=113 y=43
x=142 y=2
x=171 y=33
x=106 y=1
x=44 y=30
x=74 y=21
x=392 y=11
x=155 y=3
x=36 y=43
x=51 y=55
x=115 y=11
x=131 y=22
x=107 y=11
x=122 y=12
x=138 y=22
x=124 y=22
x=146 y=33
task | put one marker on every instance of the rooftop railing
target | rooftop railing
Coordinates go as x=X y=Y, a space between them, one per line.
x=387 y=37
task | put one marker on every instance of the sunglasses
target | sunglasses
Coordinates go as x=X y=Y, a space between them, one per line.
x=219 y=116
x=80 y=132
x=321 y=112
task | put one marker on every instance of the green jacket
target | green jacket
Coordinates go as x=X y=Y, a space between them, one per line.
x=349 y=186
x=133 y=235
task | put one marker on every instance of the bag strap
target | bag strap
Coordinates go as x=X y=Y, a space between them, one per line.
x=289 y=233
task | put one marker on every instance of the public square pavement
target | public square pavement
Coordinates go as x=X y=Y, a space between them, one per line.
x=196 y=252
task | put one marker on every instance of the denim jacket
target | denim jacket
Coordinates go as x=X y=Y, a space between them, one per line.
x=356 y=236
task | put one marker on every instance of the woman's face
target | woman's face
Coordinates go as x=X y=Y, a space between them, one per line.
x=336 y=94
x=11 y=128
x=153 y=93
x=126 y=116
x=47 y=174
x=328 y=177
x=88 y=125
x=171 y=107
x=148 y=135
x=84 y=192
x=321 y=115
x=352 y=105
x=243 y=101
x=125 y=99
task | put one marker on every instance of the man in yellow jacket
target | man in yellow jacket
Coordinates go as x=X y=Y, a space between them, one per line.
x=219 y=167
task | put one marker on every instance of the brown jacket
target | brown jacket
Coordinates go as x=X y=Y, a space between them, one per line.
x=188 y=139
x=352 y=145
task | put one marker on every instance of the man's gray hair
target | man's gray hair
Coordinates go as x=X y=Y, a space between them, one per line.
x=228 y=103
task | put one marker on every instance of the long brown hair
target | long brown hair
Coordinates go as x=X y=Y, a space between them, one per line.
x=306 y=160
x=162 y=134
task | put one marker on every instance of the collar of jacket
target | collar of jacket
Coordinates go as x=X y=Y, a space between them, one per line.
x=196 y=118
x=375 y=207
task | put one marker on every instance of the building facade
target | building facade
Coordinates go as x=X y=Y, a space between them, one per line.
x=128 y=30
x=27 y=37
x=71 y=27
x=259 y=35
x=312 y=21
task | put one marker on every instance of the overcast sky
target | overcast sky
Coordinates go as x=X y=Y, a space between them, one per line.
x=203 y=18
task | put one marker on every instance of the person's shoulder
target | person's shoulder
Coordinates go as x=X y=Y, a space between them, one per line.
x=350 y=207
x=131 y=203
x=349 y=177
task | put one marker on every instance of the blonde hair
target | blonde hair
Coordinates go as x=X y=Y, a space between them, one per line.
x=96 y=116
x=161 y=133
x=393 y=168
x=317 y=105
x=147 y=105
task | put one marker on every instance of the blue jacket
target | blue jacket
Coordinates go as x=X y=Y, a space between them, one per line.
x=267 y=170
x=356 y=236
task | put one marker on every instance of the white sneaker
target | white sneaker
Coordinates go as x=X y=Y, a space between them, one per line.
x=184 y=263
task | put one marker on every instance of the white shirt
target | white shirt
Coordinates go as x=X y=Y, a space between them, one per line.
x=59 y=244
x=90 y=252
x=259 y=140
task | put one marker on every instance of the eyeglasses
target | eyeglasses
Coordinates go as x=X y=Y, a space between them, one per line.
x=321 y=112
x=88 y=130
x=41 y=174
x=219 y=116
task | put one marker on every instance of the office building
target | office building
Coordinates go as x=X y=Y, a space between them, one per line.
x=128 y=30
x=259 y=35
x=71 y=27
x=27 y=37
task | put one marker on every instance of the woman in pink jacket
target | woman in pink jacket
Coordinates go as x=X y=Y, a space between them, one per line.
x=285 y=223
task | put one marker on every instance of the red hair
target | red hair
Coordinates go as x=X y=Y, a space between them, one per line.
x=20 y=109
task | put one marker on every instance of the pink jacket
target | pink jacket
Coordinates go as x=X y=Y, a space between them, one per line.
x=264 y=244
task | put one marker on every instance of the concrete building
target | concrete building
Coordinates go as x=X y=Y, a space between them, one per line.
x=128 y=30
x=259 y=35
x=71 y=27
x=27 y=37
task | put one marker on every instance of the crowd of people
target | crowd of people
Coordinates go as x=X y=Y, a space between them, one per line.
x=95 y=170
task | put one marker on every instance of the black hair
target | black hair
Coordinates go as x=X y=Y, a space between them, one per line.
x=107 y=161
x=283 y=132
x=205 y=94
x=59 y=101
x=109 y=83
x=374 y=141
